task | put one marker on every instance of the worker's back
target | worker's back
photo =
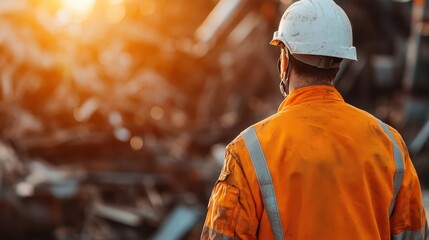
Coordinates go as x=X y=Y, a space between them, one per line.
x=332 y=169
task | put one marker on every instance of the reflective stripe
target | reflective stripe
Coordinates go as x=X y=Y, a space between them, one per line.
x=265 y=182
x=426 y=231
x=209 y=233
x=411 y=235
x=399 y=173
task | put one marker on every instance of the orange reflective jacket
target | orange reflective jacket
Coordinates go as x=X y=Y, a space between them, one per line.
x=328 y=171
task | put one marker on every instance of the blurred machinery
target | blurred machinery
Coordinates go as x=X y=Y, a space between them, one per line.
x=115 y=113
x=415 y=80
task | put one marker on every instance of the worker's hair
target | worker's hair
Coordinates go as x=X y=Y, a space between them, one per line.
x=319 y=74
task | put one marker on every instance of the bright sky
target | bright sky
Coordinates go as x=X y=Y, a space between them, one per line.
x=80 y=7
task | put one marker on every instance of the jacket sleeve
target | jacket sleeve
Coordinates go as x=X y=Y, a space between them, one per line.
x=231 y=210
x=408 y=220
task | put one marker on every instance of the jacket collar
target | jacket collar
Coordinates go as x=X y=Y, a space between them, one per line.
x=310 y=94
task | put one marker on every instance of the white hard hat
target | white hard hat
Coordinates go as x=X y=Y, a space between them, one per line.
x=318 y=28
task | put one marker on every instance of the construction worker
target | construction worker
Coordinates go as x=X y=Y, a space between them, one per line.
x=318 y=168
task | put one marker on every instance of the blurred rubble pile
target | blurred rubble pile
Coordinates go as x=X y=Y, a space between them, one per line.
x=114 y=120
x=115 y=116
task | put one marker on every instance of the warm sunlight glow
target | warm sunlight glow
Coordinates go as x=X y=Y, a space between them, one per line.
x=79 y=7
x=116 y=2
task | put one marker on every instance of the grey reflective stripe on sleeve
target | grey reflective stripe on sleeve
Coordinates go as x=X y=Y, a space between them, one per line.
x=399 y=173
x=265 y=183
x=410 y=235
x=209 y=233
x=426 y=231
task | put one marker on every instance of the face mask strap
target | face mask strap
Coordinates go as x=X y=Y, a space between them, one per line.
x=284 y=82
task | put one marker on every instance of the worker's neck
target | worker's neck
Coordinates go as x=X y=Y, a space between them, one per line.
x=296 y=82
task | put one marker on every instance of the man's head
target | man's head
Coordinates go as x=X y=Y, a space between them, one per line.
x=314 y=36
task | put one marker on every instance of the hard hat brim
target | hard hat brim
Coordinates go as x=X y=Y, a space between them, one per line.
x=277 y=39
x=275 y=42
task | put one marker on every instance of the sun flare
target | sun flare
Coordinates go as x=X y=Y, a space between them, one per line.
x=79 y=7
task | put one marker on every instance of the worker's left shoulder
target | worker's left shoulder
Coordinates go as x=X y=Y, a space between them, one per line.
x=236 y=147
x=238 y=144
x=270 y=123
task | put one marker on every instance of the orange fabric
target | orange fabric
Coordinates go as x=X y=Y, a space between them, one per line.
x=332 y=168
